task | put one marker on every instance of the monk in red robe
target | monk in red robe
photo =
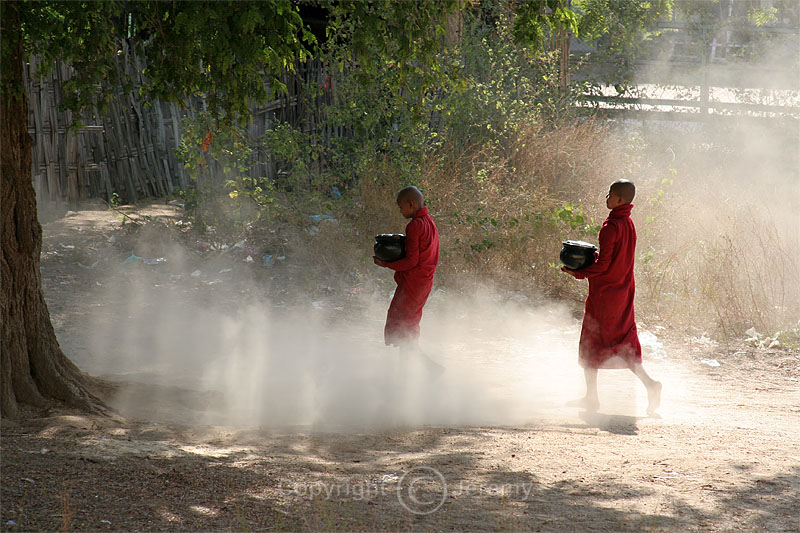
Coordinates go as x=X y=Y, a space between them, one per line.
x=608 y=335
x=413 y=273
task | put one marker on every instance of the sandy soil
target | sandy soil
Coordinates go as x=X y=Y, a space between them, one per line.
x=723 y=454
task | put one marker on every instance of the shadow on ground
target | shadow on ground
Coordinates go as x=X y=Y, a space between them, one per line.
x=76 y=472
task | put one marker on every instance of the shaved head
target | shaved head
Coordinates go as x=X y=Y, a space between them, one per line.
x=625 y=189
x=411 y=194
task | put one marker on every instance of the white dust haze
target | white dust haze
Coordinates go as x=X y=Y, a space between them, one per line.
x=234 y=354
x=316 y=366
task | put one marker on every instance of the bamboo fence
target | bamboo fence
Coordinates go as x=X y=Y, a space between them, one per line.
x=130 y=150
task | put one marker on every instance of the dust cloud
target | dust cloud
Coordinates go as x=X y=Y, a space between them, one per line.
x=747 y=152
x=718 y=196
x=189 y=356
x=183 y=359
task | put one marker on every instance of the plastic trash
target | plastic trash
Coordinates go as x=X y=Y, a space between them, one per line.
x=710 y=362
x=196 y=273
x=320 y=218
x=267 y=260
x=133 y=258
x=652 y=345
x=335 y=192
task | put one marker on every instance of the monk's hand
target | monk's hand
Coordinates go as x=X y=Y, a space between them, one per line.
x=378 y=261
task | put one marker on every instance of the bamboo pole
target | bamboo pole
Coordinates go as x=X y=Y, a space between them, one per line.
x=132 y=148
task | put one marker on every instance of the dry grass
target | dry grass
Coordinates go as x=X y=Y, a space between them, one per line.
x=752 y=281
x=729 y=282
x=496 y=208
x=68 y=510
x=723 y=266
x=495 y=205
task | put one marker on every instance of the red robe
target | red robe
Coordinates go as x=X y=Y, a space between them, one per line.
x=414 y=277
x=608 y=336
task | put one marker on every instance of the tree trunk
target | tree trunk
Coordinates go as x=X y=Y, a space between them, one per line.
x=34 y=369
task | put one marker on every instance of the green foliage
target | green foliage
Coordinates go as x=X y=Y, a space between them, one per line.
x=189 y=197
x=382 y=124
x=707 y=19
x=703 y=21
x=762 y=16
x=392 y=67
x=536 y=20
x=622 y=27
x=296 y=155
x=473 y=91
x=218 y=163
x=625 y=22
x=84 y=34
x=492 y=231
x=504 y=84
x=659 y=196
x=407 y=37
x=484 y=86
x=220 y=51
x=645 y=257
x=205 y=152
x=574 y=217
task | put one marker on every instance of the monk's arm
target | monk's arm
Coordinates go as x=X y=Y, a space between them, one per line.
x=608 y=242
x=411 y=259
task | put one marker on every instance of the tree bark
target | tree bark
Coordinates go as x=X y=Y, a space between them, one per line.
x=35 y=371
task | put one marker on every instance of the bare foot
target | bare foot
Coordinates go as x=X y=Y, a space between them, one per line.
x=653 y=397
x=590 y=404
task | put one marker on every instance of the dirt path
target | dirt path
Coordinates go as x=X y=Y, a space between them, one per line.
x=344 y=436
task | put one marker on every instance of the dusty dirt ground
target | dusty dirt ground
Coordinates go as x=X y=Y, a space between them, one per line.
x=723 y=454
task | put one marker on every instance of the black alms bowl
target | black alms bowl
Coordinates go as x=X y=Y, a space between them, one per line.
x=577 y=254
x=390 y=246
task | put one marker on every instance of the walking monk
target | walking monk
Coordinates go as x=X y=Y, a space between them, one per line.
x=413 y=273
x=608 y=335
